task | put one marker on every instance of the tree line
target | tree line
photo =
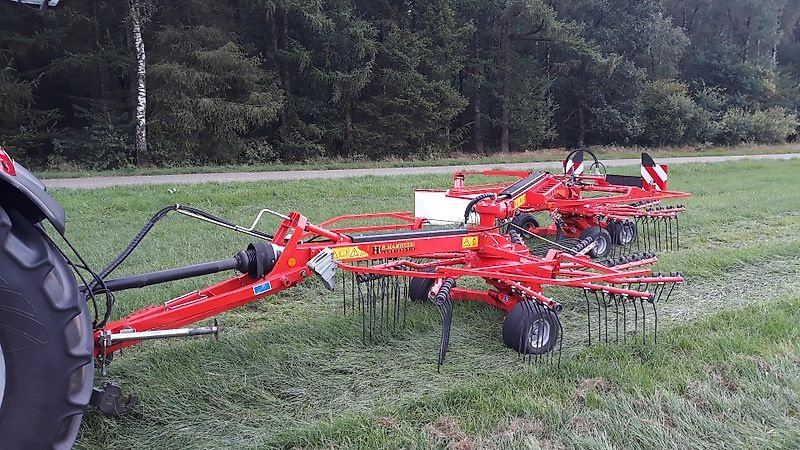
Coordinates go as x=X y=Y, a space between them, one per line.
x=103 y=84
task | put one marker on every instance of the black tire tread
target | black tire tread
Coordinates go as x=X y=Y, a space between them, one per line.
x=517 y=321
x=38 y=292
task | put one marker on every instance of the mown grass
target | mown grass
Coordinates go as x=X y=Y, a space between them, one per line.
x=291 y=371
x=327 y=164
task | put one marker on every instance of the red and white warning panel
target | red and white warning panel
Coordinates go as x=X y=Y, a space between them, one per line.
x=574 y=165
x=653 y=175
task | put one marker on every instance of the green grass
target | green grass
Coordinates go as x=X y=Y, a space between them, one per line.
x=603 y=153
x=292 y=372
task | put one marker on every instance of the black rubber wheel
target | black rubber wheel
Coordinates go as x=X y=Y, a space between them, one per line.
x=602 y=241
x=625 y=233
x=524 y=222
x=46 y=367
x=419 y=288
x=531 y=328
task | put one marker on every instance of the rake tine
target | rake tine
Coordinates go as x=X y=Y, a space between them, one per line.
x=533 y=358
x=379 y=295
x=605 y=313
x=658 y=233
x=671 y=236
x=536 y=356
x=677 y=233
x=616 y=318
x=625 y=320
x=371 y=308
x=597 y=302
x=588 y=314
x=644 y=322
x=361 y=300
x=405 y=300
x=655 y=322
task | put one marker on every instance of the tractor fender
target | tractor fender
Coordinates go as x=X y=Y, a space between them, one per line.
x=21 y=190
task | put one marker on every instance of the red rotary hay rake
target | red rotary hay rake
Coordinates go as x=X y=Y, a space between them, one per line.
x=621 y=213
x=385 y=266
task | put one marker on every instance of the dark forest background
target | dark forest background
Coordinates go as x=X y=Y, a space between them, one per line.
x=259 y=81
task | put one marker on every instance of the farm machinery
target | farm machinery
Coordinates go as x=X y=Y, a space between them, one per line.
x=50 y=343
x=620 y=213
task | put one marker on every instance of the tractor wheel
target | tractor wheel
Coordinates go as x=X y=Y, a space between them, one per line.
x=419 y=288
x=46 y=368
x=523 y=223
x=602 y=241
x=531 y=329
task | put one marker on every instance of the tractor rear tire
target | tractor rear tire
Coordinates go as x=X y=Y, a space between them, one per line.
x=531 y=329
x=46 y=367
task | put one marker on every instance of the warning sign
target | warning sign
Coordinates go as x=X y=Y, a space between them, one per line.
x=342 y=253
x=519 y=201
x=469 y=242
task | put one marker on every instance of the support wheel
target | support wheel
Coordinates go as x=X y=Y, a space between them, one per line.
x=46 y=368
x=623 y=233
x=531 y=328
x=524 y=224
x=602 y=241
x=419 y=288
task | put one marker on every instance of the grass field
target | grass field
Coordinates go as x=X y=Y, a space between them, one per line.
x=603 y=153
x=292 y=372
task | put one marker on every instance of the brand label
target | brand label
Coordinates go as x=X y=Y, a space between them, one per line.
x=395 y=247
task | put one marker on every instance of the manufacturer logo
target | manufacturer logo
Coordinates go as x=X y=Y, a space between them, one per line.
x=395 y=247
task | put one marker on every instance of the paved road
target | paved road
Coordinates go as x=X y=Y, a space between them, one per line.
x=101 y=182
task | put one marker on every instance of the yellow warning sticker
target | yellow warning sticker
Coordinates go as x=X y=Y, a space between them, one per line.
x=348 y=253
x=519 y=201
x=469 y=242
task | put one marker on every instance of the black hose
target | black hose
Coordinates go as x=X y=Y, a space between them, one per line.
x=473 y=202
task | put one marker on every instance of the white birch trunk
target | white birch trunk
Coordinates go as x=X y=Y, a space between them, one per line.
x=141 y=85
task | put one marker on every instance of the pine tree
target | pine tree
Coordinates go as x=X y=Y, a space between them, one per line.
x=208 y=96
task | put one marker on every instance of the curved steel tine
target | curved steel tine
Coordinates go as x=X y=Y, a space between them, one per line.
x=616 y=317
x=658 y=233
x=671 y=243
x=597 y=303
x=644 y=323
x=655 y=323
x=625 y=319
x=588 y=314
x=605 y=314
x=539 y=313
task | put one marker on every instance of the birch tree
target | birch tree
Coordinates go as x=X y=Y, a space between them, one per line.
x=140 y=141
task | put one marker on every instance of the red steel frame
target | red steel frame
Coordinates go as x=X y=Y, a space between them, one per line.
x=565 y=195
x=509 y=268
